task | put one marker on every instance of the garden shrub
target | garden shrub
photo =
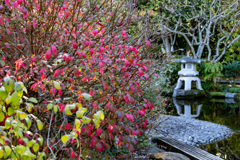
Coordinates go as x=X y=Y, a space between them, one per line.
x=20 y=130
x=86 y=73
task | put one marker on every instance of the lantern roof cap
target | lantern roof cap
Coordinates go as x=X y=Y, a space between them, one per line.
x=188 y=59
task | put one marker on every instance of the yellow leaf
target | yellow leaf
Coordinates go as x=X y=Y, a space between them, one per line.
x=77 y=123
x=65 y=138
x=39 y=125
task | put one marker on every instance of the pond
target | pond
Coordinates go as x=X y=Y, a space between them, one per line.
x=221 y=111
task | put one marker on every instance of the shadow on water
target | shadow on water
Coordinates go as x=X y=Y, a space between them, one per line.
x=221 y=111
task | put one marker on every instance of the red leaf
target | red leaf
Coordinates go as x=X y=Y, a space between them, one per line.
x=91 y=51
x=74 y=44
x=48 y=54
x=99 y=147
x=99 y=131
x=108 y=105
x=140 y=72
x=95 y=32
x=94 y=105
x=67 y=126
x=104 y=85
x=126 y=99
x=126 y=62
x=60 y=92
x=124 y=33
x=54 y=49
x=101 y=50
x=111 y=127
x=56 y=73
x=72 y=154
x=61 y=107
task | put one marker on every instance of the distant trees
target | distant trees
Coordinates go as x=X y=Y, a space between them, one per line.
x=209 y=27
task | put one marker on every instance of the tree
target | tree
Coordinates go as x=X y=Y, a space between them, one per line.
x=209 y=27
x=85 y=70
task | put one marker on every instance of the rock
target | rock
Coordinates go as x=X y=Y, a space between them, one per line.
x=153 y=150
x=168 y=156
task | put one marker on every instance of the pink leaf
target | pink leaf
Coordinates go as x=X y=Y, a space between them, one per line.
x=48 y=54
x=59 y=92
x=110 y=127
x=72 y=154
x=54 y=49
x=124 y=33
x=34 y=24
x=104 y=85
x=56 y=73
x=99 y=147
x=74 y=44
x=99 y=131
x=126 y=62
x=126 y=99
x=148 y=43
x=101 y=50
x=91 y=51
x=108 y=105
x=100 y=64
x=94 y=105
x=140 y=72
x=95 y=32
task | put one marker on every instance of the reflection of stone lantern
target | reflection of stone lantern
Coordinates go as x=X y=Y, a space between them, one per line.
x=188 y=75
x=187 y=110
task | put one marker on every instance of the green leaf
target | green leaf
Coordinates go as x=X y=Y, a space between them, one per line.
x=30 y=143
x=86 y=120
x=55 y=108
x=8 y=100
x=65 y=138
x=2 y=116
x=29 y=122
x=29 y=107
x=8 y=124
x=22 y=115
x=20 y=149
x=40 y=139
x=33 y=100
x=19 y=86
x=28 y=153
x=10 y=111
x=68 y=109
x=15 y=99
x=39 y=125
x=3 y=94
x=35 y=147
x=8 y=84
x=49 y=106
x=87 y=96
x=8 y=150
x=56 y=85
x=1 y=152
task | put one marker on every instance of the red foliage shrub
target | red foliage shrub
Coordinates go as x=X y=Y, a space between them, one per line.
x=72 y=54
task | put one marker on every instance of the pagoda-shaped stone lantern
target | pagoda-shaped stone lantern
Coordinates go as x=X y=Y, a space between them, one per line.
x=188 y=75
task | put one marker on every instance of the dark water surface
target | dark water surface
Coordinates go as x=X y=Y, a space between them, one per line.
x=221 y=111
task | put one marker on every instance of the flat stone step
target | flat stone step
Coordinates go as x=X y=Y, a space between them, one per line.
x=186 y=149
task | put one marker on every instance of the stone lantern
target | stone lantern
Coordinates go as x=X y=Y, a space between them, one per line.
x=188 y=75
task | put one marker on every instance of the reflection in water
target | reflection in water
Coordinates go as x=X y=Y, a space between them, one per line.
x=187 y=110
x=221 y=111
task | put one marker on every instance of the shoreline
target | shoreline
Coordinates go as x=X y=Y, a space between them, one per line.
x=189 y=130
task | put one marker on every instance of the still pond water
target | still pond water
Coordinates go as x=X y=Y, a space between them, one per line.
x=221 y=111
